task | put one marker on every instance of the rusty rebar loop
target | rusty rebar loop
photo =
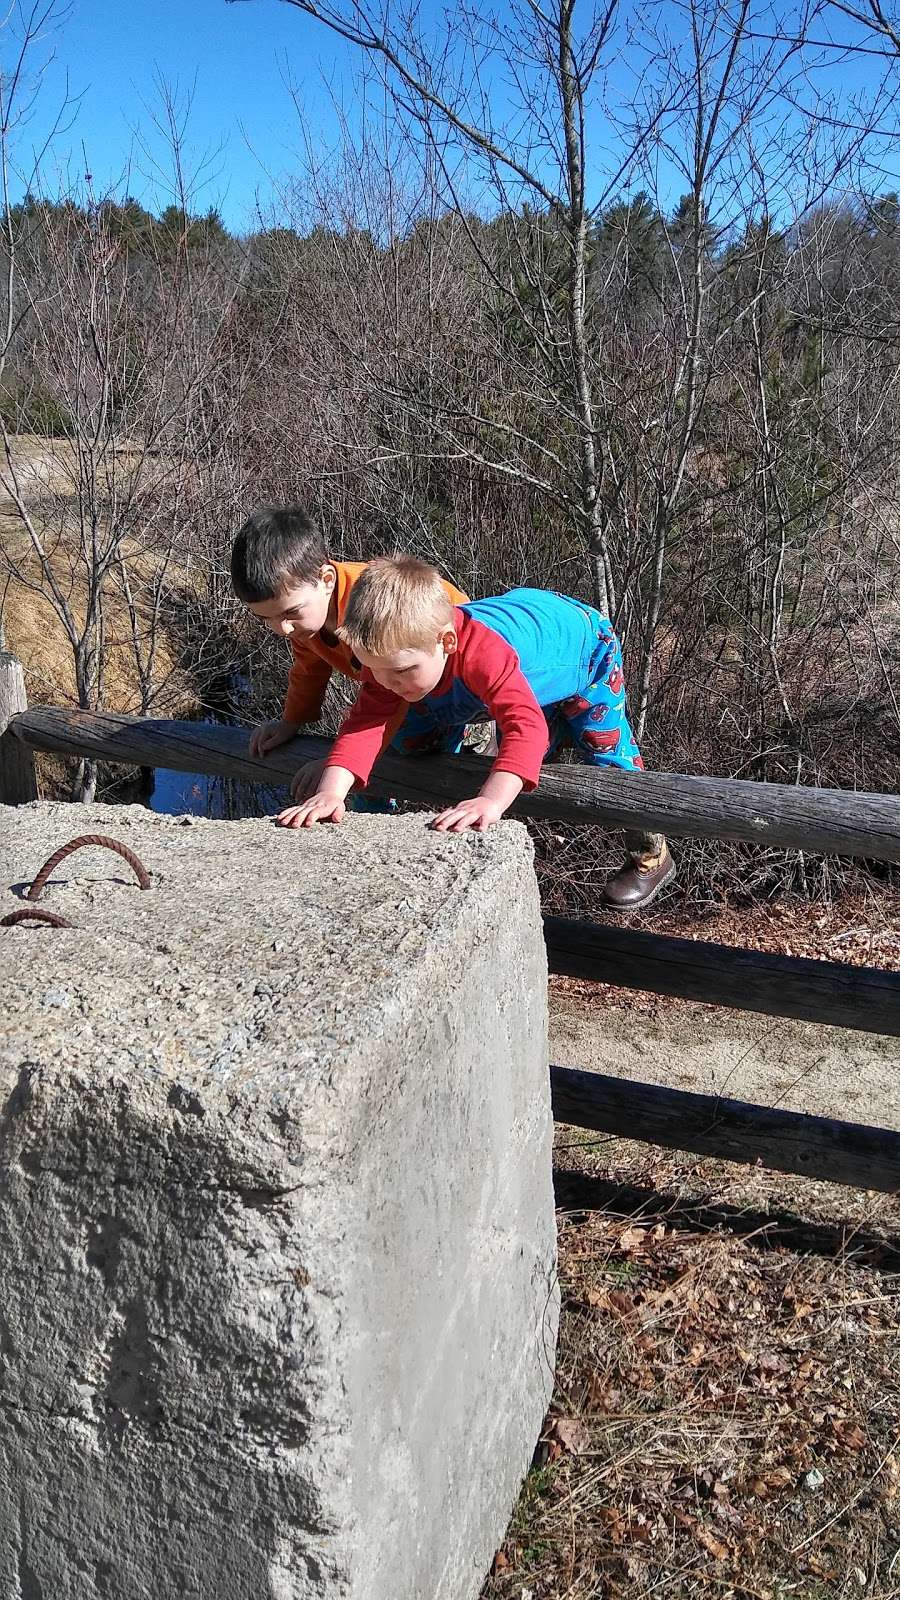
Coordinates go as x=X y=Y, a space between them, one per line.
x=140 y=871
x=34 y=914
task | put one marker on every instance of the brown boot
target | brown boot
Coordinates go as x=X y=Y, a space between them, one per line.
x=639 y=881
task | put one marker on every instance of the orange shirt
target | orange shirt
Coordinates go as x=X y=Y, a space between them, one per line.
x=314 y=660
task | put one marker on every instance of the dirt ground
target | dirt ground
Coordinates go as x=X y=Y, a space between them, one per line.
x=772 y=1061
x=726 y=1419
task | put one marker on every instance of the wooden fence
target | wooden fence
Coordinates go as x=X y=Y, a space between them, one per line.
x=826 y=820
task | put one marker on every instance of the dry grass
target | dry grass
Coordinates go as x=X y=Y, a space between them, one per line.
x=36 y=635
x=727 y=1411
x=47 y=474
x=45 y=466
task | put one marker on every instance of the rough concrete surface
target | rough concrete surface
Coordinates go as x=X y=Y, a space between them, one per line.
x=277 y=1242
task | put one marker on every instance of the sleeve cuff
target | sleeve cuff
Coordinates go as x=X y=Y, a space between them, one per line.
x=529 y=783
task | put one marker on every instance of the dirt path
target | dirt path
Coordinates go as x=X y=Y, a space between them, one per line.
x=770 y=1060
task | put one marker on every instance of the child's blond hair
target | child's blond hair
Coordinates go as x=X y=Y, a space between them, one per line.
x=398 y=603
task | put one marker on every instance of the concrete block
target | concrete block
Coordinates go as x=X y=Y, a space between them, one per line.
x=277 y=1250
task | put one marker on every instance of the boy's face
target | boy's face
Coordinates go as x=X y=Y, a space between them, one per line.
x=299 y=610
x=411 y=674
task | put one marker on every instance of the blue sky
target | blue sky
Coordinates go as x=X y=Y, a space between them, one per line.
x=234 y=59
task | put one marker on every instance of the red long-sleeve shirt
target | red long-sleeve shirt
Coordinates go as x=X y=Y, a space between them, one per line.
x=482 y=675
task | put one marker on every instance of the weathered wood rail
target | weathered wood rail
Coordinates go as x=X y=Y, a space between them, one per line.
x=777 y=816
x=831 y=992
x=731 y=1130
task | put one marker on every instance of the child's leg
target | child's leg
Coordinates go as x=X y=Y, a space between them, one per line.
x=599 y=728
x=597 y=719
x=643 y=845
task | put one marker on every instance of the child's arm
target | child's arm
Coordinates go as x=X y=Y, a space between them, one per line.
x=326 y=805
x=269 y=735
x=307 y=683
x=490 y=668
x=358 y=745
x=308 y=680
x=488 y=806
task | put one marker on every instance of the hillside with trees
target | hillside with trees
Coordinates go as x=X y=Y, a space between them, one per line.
x=517 y=354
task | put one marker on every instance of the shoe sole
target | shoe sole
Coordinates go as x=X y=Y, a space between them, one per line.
x=641 y=905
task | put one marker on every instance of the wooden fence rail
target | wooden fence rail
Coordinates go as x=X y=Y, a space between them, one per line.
x=830 y=992
x=730 y=1130
x=829 y=820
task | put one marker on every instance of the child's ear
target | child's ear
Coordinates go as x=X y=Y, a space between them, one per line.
x=449 y=641
x=328 y=575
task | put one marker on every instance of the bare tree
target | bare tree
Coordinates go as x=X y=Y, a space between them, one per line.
x=129 y=338
x=551 y=61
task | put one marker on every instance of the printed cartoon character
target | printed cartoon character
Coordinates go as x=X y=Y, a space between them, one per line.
x=616 y=680
x=603 y=740
x=574 y=706
x=601 y=712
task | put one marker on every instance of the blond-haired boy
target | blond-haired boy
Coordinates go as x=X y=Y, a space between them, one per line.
x=526 y=658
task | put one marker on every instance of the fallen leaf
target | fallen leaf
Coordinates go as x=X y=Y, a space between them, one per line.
x=632 y=1239
x=710 y=1542
x=573 y=1434
x=620 y=1301
x=779 y=1477
x=615 y=1521
x=850 y=1434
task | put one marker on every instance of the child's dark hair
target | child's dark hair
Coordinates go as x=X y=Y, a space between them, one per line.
x=276 y=545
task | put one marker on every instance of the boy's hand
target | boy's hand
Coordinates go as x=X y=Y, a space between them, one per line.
x=321 y=808
x=485 y=809
x=326 y=806
x=306 y=780
x=479 y=814
x=269 y=735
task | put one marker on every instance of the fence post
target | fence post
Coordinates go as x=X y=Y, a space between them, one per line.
x=18 y=779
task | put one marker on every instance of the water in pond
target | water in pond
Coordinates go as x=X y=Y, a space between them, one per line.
x=198 y=795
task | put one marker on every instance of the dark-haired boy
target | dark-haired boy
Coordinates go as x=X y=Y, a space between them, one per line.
x=282 y=572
